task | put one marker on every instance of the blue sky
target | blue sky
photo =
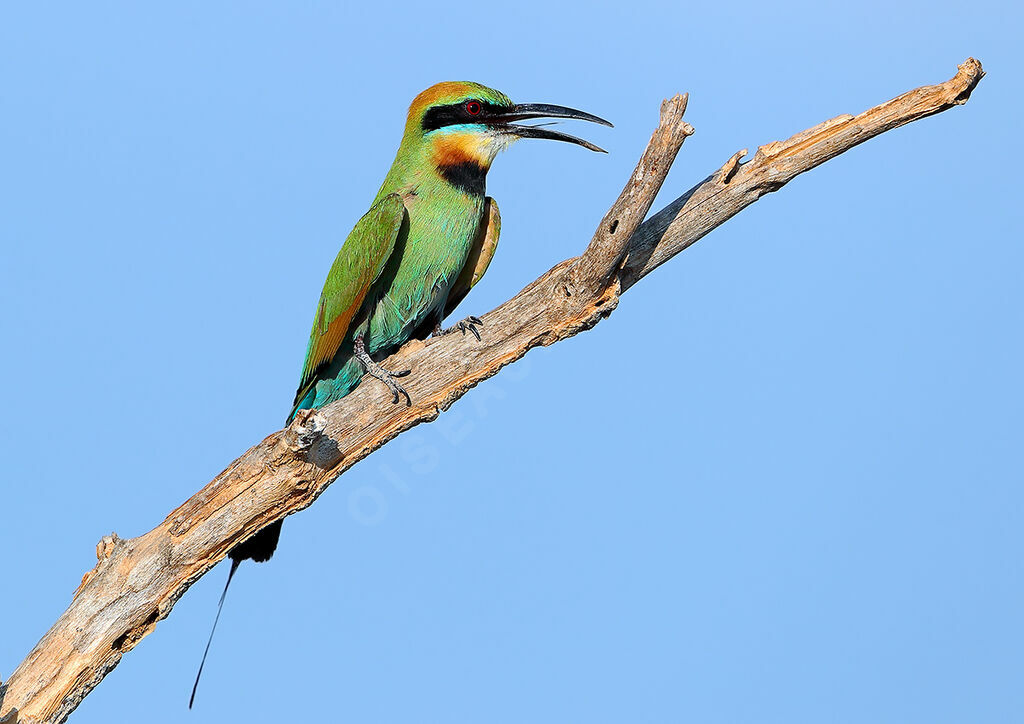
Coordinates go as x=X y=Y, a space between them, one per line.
x=817 y=518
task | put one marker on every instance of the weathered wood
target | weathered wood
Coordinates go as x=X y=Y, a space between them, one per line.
x=603 y=257
x=136 y=582
x=737 y=185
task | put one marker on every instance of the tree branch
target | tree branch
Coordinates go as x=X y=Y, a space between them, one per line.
x=603 y=257
x=136 y=582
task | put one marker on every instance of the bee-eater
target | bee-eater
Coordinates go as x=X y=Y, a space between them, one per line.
x=425 y=242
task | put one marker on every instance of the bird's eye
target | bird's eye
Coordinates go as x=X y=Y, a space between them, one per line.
x=473 y=108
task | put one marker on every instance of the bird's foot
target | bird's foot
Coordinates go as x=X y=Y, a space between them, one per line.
x=470 y=323
x=376 y=371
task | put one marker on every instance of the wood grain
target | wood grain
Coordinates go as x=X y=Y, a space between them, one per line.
x=137 y=581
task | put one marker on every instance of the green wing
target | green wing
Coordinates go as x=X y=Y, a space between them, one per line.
x=479 y=256
x=355 y=269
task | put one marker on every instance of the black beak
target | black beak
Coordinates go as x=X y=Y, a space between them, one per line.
x=524 y=111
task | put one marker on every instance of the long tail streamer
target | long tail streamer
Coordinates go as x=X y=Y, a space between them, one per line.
x=220 y=606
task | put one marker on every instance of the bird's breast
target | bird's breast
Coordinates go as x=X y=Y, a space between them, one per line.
x=426 y=263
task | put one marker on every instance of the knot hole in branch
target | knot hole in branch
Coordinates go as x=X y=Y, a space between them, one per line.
x=134 y=635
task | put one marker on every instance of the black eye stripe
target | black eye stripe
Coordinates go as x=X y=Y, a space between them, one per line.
x=455 y=113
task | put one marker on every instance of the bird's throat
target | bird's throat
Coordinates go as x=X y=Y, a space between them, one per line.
x=463 y=161
x=469 y=177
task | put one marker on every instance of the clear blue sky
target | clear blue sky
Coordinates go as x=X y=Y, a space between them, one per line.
x=818 y=519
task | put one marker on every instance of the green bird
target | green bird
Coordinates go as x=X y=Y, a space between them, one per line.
x=427 y=239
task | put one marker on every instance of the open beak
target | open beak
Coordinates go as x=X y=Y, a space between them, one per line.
x=525 y=111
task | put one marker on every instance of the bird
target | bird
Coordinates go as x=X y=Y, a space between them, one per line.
x=427 y=239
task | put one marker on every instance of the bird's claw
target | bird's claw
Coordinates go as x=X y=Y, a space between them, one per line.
x=470 y=323
x=377 y=372
x=387 y=378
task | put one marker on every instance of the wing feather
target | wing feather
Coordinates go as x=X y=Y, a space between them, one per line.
x=479 y=256
x=358 y=265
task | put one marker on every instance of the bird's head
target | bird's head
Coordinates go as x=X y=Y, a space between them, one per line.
x=463 y=123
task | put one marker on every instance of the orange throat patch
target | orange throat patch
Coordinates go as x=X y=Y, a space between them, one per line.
x=459 y=149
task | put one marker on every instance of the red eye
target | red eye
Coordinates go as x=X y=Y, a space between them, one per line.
x=473 y=108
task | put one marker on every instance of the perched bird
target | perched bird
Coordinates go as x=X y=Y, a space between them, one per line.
x=425 y=242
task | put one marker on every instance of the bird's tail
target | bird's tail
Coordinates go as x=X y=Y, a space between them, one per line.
x=220 y=606
x=258 y=548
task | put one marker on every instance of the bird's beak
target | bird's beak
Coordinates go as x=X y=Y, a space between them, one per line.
x=525 y=111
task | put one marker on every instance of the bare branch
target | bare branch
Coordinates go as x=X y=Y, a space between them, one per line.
x=136 y=582
x=735 y=186
x=601 y=261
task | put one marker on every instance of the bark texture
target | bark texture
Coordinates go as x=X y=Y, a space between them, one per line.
x=137 y=581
